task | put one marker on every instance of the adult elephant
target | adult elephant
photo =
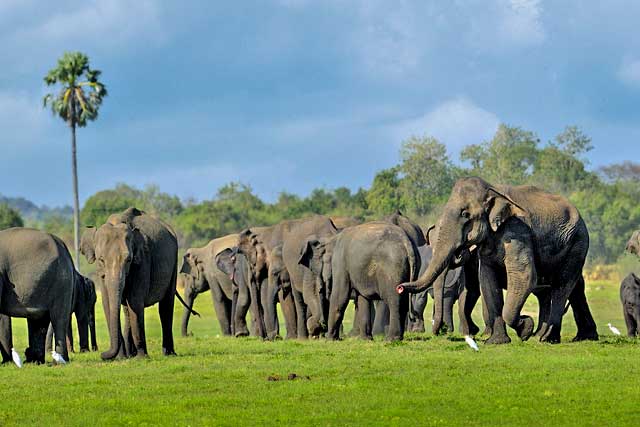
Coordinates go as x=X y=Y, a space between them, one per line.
x=201 y=265
x=529 y=241
x=366 y=260
x=36 y=282
x=84 y=303
x=257 y=244
x=136 y=263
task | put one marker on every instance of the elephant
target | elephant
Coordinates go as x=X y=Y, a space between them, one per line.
x=528 y=241
x=630 y=299
x=6 y=338
x=36 y=282
x=201 y=265
x=237 y=268
x=258 y=244
x=460 y=284
x=633 y=245
x=84 y=302
x=368 y=259
x=136 y=257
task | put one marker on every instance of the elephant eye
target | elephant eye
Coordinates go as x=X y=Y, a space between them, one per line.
x=465 y=214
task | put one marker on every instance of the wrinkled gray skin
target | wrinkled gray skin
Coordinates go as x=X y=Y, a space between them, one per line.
x=257 y=244
x=36 y=282
x=366 y=259
x=236 y=266
x=529 y=241
x=136 y=266
x=84 y=303
x=630 y=299
x=200 y=264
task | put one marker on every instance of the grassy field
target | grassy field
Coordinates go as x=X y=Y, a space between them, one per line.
x=424 y=380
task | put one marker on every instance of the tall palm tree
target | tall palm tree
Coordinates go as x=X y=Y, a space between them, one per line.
x=76 y=103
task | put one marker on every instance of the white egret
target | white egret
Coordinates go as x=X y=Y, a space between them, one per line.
x=471 y=342
x=16 y=357
x=613 y=329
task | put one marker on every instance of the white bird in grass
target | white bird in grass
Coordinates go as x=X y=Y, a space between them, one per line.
x=471 y=342
x=57 y=358
x=613 y=329
x=16 y=357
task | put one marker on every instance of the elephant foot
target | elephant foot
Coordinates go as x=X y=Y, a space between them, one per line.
x=593 y=336
x=242 y=333
x=168 y=352
x=542 y=330
x=84 y=350
x=487 y=332
x=417 y=326
x=314 y=327
x=32 y=357
x=394 y=338
x=525 y=328
x=552 y=336
x=498 y=339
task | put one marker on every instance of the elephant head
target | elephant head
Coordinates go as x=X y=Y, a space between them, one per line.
x=633 y=245
x=630 y=295
x=316 y=255
x=253 y=249
x=474 y=212
x=116 y=249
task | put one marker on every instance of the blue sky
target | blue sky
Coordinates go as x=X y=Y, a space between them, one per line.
x=297 y=94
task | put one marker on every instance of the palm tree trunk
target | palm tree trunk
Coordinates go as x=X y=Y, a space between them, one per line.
x=76 y=202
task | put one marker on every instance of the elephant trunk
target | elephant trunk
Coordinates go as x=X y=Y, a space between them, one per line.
x=114 y=295
x=189 y=298
x=438 y=265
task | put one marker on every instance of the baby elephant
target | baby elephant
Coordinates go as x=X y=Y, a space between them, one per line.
x=630 y=298
x=368 y=260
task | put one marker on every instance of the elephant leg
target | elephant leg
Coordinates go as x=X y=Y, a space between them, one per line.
x=60 y=330
x=559 y=298
x=488 y=326
x=587 y=329
x=364 y=317
x=398 y=309
x=493 y=301
x=544 y=309
x=129 y=344
x=381 y=323
x=521 y=280
x=222 y=312
x=92 y=329
x=447 y=312
x=37 y=337
x=301 y=314
x=356 y=328
x=240 y=316
x=269 y=296
x=418 y=304
x=629 y=320
x=338 y=302
x=467 y=301
x=70 y=337
x=316 y=323
x=165 y=310
x=288 y=306
x=6 y=338
x=48 y=346
x=257 y=312
x=83 y=333
x=136 y=323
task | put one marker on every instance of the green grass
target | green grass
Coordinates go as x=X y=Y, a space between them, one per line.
x=424 y=380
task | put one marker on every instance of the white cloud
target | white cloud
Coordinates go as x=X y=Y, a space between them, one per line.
x=456 y=123
x=629 y=71
x=522 y=23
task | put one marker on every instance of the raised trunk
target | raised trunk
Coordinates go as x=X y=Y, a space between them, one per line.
x=189 y=298
x=115 y=300
x=76 y=201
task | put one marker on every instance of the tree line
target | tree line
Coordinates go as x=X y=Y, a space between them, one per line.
x=418 y=185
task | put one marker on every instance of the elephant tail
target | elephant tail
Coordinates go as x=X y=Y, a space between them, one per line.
x=192 y=311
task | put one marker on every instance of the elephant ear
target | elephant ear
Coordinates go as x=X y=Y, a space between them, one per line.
x=87 y=245
x=310 y=248
x=225 y=261
x=501 y=207
x=140 y=247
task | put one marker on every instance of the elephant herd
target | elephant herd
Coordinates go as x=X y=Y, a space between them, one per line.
x=501 y=243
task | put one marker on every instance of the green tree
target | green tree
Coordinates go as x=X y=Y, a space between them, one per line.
x=9 y=217
x=427 y=174
x=508 y=158
x=384 y=196
x=77 y=103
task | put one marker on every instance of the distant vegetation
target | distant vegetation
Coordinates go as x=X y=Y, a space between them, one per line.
x=419 y=185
